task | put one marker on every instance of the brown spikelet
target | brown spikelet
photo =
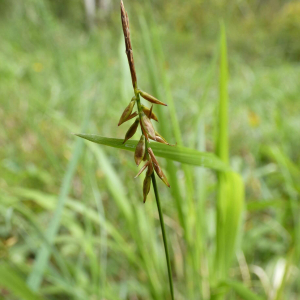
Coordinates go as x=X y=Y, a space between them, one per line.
x=146 y=110
x=134 y=114
x=125 y=25
x=157 y=134
x=140 y=150
x=126 y=113
x=150 y=98
x=150 y=151
x=147 y=126
x=146 y=187
x=160 y=140
x=144 y=132
x=150 y=167
x=132 y=129
x=150 y=112
x=157 y=168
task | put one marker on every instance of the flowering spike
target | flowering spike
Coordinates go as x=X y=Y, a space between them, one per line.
x=144 y=132
x=145 y=156
x=143 y=118
x=132 y=129
x=150 y=151
x=150 y=167
x=134 y=114
x=147 y=126
x=150 y=98
x=146 y=187
x=126 y=113
x=150 y=112
x=161 y=175
x=142 y=169
x=160 y=140
x=125 y=25
x=157 y=168
x=157 y=134
x=140 y=150
x=146 y=110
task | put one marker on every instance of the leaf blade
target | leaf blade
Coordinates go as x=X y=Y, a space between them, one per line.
x=11 y=280
x=241 y=290
x=180 y=154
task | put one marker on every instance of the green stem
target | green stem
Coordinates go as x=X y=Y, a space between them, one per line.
x=161 y=219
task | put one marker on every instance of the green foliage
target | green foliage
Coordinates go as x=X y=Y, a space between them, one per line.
x=287 y=28
x=36 y=276
x=10 y=280
x=241 y=290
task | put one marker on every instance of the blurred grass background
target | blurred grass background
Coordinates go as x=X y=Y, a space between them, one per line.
x=63 y=69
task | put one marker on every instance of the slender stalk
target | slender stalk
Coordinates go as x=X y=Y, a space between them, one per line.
x=129 y=53
x=162 y=225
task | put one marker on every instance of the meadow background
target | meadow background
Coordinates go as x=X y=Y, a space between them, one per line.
x=63 y=69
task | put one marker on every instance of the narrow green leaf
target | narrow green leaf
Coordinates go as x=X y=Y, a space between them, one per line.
x=258 y=205
x=189 y=212
x=230 y=200
x=11 y=280
x=222 y=142
x=241 y=290
x=229 y=211
x=163 y=114
x=181 y=154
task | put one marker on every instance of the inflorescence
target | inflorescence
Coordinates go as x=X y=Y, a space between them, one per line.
x=143 y=117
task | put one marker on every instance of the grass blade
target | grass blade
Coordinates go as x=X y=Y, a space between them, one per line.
x=163 y=116
x=241 y=290
x=10 y=280
x=222 y=142
x=230 y=185
x=181 y=154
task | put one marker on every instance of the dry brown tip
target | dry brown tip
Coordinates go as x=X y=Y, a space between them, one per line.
x=125 y=26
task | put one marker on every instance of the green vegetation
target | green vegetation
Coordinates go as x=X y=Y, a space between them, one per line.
x=72 y=221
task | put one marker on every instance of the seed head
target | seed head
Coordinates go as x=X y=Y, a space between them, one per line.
x=160 y=139
x=150 y=167
x=140 y=150
x=125 y=25
x=144 y=116
x=132 y=129
x=134 y=114
x=157 y=168
x=146 y=187
x=150 y=98
x=146 y=110
x=147 y=126
x=127 y=112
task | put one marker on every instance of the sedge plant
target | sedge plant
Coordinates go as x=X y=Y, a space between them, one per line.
x=143 y=150
x=230 y=186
